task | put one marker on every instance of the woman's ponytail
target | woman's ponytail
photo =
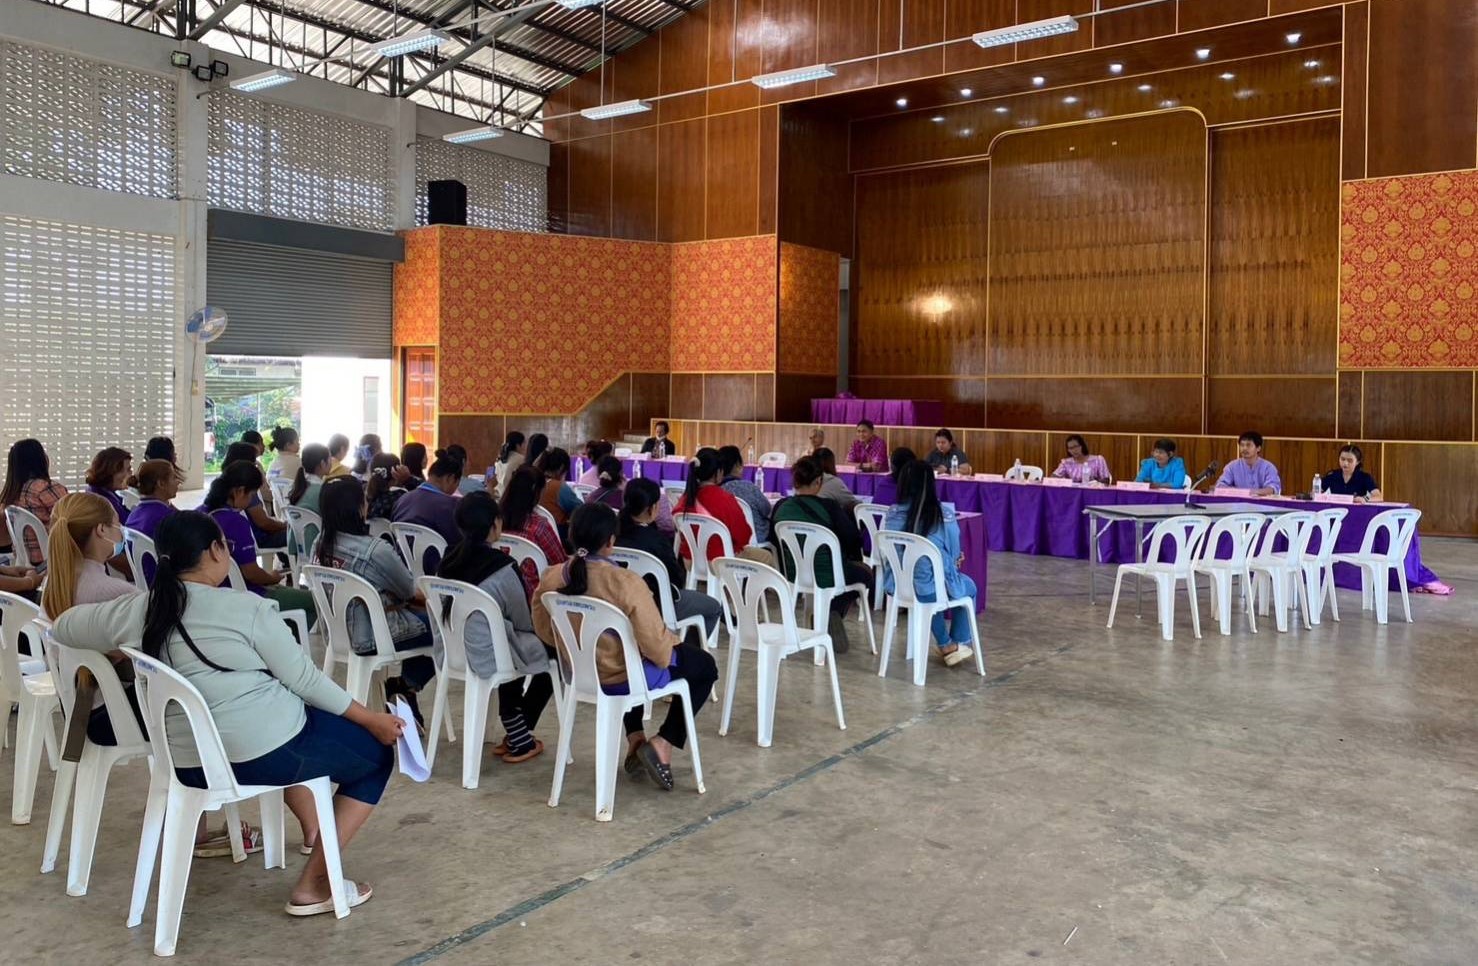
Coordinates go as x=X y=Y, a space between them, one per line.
x=592 y=526
x=182 y=539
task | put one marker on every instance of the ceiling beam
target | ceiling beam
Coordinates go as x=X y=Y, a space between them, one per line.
x=151 y=13
x=214 y=20
x=460 y=57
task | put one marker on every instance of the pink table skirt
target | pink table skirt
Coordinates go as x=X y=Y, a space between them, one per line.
x=882 y=412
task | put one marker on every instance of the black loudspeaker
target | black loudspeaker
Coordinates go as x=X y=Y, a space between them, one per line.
x=446 y=203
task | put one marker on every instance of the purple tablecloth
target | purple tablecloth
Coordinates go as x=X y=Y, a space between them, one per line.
x=883 y=412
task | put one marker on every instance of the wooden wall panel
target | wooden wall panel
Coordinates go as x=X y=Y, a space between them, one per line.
x=994 y=450
x=788 y=40
x=735 y=51
x=1124 y=405
x=559 y=188
x=684 y=65
x=631 y=76
x=1419 y=405
x=1356 y=52
x=1097 y=248
x=1275 y=250
x=634 y=184
x=769 y=173
x=815 y=190
x=733 y=163
x=922 y=22
x=847 y=29
x=1423 y=96
x=1200 y=14
x=1126 y=26
x=1351 y=395
x=920 y=273
x=1424 y=473
x=963 y=399
x=590 y=186
x=1287 y=405
x=965 y=17
x=681 y=160
x=687 y=395
x=793 y=395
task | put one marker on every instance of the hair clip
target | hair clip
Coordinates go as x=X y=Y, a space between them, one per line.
x=582 y=553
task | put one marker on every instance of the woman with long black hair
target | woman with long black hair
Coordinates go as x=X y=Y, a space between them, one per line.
x=510 y=458
x=638 y=531
x=280 y=719
x=919 y=511
x=227 y=500
x=28 y=485
x=591 y=571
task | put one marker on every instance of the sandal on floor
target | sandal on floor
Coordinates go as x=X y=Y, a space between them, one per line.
x=656 y=771
x=533 y=752
x=306 y=848
x=356 y=898
x=500 y=749
x=219 y=845
x=633 y=766
x=959 y=655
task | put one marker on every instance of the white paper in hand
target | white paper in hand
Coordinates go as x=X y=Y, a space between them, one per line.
x=408 y=750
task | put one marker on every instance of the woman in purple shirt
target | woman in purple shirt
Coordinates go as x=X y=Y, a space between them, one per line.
x=229 y=496
x=108 y=474
x=158 y=482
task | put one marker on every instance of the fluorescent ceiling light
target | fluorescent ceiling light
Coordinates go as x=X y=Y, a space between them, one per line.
x=578 y=4
x=472 y=134
x=416 y=40
x=1026 y=31
x=275 y=77
x=780 y=78
x=618 y=109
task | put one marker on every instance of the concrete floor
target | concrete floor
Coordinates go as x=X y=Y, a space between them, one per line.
x=1103 y=797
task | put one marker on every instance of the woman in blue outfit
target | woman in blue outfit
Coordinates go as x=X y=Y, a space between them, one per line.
x=919 y=511
x=1163 y=468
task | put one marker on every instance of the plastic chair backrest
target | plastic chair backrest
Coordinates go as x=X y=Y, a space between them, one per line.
x=523 y=549
x=902 y=554
x=696 y=530
x=304 y=524
x=772 y=459
x=1241 y=529
x=1184 y=534
x=379 y=528
x=582 y=490
x=65 y=662
x=801 y=543
x=157 y=686
x=1028 y=474
x=450 y=604
x=1294 y=529
x=236 y=580
x=1327 y=525
x=1398 y=526
x=416 y=543
x=280 y=487
x=143 y=559
x=334 y=592
x=870 y=517
x=748 y=512
x=596 y=618
x=746 y=583
x=25 y=529
x=130 y=498
x=548 y=517
x=645 y=565
x=16 y=623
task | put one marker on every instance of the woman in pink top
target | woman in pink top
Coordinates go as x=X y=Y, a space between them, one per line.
x=1080 y=465
x=28 y=485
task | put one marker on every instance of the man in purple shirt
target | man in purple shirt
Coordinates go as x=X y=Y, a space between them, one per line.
x=431 y=504
x=868 y=451
x=1250 y=471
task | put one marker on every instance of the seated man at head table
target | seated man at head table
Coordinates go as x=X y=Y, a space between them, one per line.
x=658 y=445
x=1250 y=471
x=943 y=452
x=818 y=440
x=868 y=452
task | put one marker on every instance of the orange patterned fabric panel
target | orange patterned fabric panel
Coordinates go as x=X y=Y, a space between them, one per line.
x=809 y=294
x=418 y=290
x=1408 y=272
x=723 y=305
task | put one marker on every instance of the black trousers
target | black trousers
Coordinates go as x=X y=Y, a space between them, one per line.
x=695 y=666
x=513 y=700
x=855 y=572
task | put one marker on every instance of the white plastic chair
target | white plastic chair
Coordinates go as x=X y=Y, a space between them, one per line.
x=23 y=524
x=297 y=618
x=415 y=542
x=870 y=517
x=305 y=526
x=695 y=530
x=174 y=809
x=582 y=490
x=130 y=498
x=334 y=593
x=523 y=549
x=645 y=565
x=903 y=553
x=459 y=602
x=25 y=681
x=139 y=549
x=746 y=585
x=1319 y=563
x=773 y=458
x=802 y=542
x=280 y=487
x=548 y=517
x=1376 y=566
x=598 y=618
x=1241 y=529
x=379 y=528
x=1278 y=573
x=1183 y=534
x=748 y=512
x=1025 y=473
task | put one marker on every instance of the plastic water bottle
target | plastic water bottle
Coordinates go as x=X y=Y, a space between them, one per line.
x=1318 y=488
x=1016 y=470
x=954 y=465
x=751 y=454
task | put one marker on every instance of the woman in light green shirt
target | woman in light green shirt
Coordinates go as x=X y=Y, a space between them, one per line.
x=280 y=719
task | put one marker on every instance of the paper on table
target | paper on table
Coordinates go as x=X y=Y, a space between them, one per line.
x=408 y=750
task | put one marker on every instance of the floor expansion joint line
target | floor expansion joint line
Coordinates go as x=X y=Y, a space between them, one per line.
x=555 y=893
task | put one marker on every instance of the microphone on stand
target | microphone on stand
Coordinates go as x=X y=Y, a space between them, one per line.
x=1211 y=470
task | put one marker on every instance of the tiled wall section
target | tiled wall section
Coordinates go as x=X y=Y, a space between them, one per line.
x=809 y=293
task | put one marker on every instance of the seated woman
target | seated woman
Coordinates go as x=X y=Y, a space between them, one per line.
x=160 y=448
x=1163 y=468
x=413 y=458
x=268 y=532
x=345 y=544
x=1081 y=466
x=476 y=561
x=338 y=451
x=510 y=458
x=226 y=501
x=731 y=463
x=704 y=496
x=919 y=511
x=468 y=484
x=28 y=485
x=109 y=474
x=592 y=572
x=286 y=445
x=808 y=506
x=638 y=531
x=1351 y=479
x=557 y=497
x=385 y=485
x=158 y=482
x=313 y=469
x=945 y=454
x=898 y=459
x=433 y=503
x=521 y=519
x=280 y=719
x=536 y=447
x=369 y=447
x=595 y=451
x=832 y=486
x=254 y=439
x=610 y=481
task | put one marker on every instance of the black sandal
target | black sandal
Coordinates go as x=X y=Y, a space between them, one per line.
x=633 y=766
x=656 y=771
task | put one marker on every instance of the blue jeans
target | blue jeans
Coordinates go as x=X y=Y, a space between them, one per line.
x=328 y=745
x=961 y=618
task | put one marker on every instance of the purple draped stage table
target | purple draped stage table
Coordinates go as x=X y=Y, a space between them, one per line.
x=883 y=412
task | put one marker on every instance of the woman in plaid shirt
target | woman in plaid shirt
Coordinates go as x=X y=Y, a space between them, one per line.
x=28 y=485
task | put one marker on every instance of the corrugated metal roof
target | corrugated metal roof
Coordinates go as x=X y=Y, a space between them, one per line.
x=503 y=79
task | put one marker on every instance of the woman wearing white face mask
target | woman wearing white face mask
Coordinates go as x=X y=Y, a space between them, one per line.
x=85 y=534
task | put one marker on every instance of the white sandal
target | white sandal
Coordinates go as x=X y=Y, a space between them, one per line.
x=356 y=898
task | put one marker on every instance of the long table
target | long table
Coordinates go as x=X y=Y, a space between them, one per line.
x=883 y=412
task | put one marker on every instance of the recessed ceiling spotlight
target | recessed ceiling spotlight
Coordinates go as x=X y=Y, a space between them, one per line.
x=901 y=102
x=1116 y=68
x=1328 y=79
x=1002 y=109
x=1073 y=147
x=1168 y=102
x=1145 y=88
x=1038 y=81
x=1070 y=99
x=1294 y=37
x=1311 y=64
x=937 y=118
x=1228 y=76
x=1095 y=112
x=1203 y=53
x=966 y=132
x=966 y=92
x=1244 y=93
